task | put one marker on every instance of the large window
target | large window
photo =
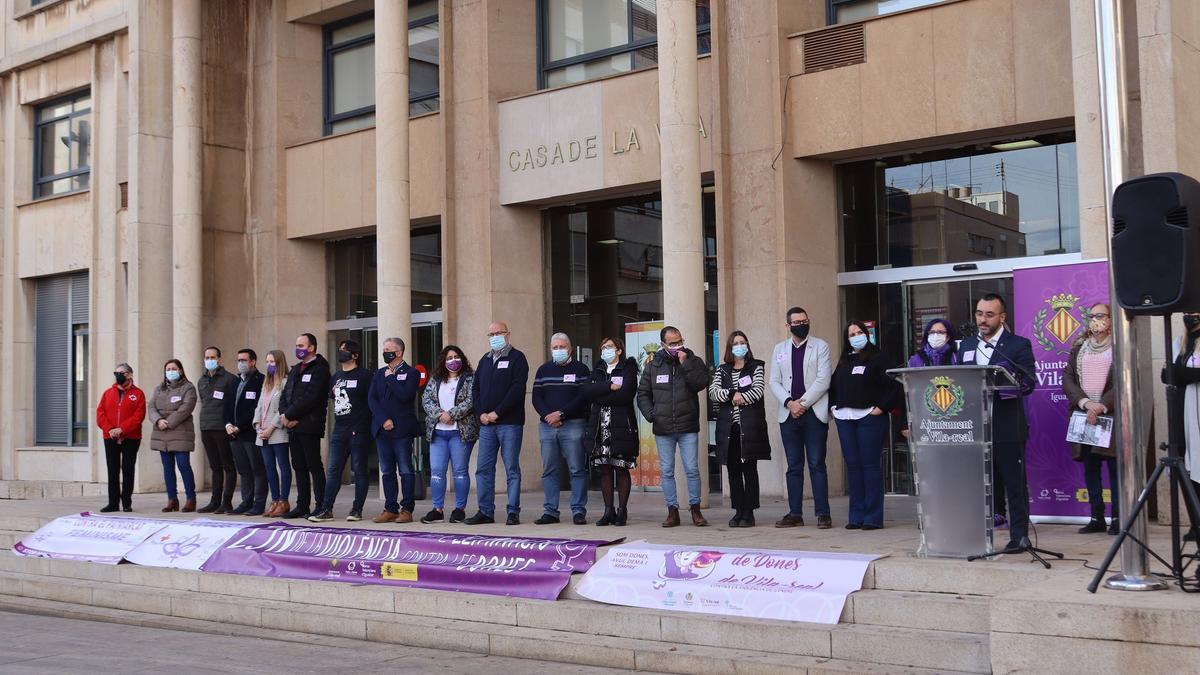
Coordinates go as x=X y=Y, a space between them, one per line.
x=350 y=67
x=353 y=275
x=61 y=358
x=845 y=11
x=62 y=141
x=983 y=202
x=584 y=39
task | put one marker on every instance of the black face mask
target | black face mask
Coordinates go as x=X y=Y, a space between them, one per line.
x=800 y=331
x=344 y=356
x=388 y=356
x=1191 y=321
x=120 y=378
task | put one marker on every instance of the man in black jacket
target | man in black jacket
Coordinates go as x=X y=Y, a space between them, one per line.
x=215 y=388
x=499 y=394
x=302 y=408
x=240 y=427
x=667 y=397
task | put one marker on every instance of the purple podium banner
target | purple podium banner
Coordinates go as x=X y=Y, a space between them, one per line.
x=525 y=567
x=1052 y=304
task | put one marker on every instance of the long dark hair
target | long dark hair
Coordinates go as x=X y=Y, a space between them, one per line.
x=729 y=347
x=440 y=373
x=182 y=372
x=848 y=351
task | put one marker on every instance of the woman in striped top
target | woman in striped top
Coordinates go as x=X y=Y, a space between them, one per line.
x=1088 y=386
x=737 y=389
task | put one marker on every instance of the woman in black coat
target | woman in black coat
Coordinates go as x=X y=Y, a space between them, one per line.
x=611 y=439
x=737 y=388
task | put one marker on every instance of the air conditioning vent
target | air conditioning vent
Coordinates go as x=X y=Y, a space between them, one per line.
x=124 y=194
x=1178 y=217
x=1118 y=226
x=834 y=47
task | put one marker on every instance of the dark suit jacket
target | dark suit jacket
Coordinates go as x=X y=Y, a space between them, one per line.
x=1009 y=424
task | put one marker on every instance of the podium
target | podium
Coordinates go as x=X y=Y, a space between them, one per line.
x=950 y=436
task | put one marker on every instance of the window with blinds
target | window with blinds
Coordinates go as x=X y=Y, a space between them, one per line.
x=61 y=360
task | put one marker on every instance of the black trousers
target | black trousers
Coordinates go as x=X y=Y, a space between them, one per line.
x=306 y=464
x=251 y=470
x=743 y=475
x=1008 y=464
x=220 y=462
x=121 y=457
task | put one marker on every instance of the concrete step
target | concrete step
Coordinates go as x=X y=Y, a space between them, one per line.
x=941 y=575
x=9 y=538
x=49 y=489
x=925 y=611
x=479 y=621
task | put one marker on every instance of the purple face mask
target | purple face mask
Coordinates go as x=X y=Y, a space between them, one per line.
x=672 y=351
x=301 y=354
x=453 y=365
x=270 y=368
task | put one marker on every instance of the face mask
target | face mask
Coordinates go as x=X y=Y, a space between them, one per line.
x=453 y=365
x=1190 y=321
x=858 y=341
x=388 y=356
x=496 y=342
x=608 y=354
x=1098 y=325
x=120 y=378
x=243 y=367
x=800 y=332
x=740 y=351
x=271 y=370
x=560 y=355
x=172 y=375
x=344 y=356
x=937 y=340
x=210 y=364
x=673 y=351
x=301 y=354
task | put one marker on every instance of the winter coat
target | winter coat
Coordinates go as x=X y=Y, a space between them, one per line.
x=216 y=392
x=266 y=414
x=122 y=409
x=174 y=402
x=623 y=423
x=1073 y=390
x=393 y=397
x=755 y=444
x=463 y=411
x=667 y=393
x=305 y=397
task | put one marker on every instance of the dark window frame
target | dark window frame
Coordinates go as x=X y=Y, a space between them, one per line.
x=831 y=7
x=38 y=124
x=330 y=50
x=543 y=32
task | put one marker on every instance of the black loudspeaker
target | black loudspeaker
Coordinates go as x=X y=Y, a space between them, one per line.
x=1156 y=244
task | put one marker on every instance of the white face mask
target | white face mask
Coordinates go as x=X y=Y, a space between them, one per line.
x=937 y=340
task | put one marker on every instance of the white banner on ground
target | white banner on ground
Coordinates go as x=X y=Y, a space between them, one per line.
x=101 y=539
x=184 y=545
x=765 y=584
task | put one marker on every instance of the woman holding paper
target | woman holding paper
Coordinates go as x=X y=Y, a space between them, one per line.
x=738 y=386
x=174 y=435
x=1088 y=386
x=611 y=436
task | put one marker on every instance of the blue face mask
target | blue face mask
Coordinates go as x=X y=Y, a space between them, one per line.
x=496 y=342
x=740 y=351
x=608 y=354
x=560 y=356
x=858 y=341
x=210 y=364
x=172 y=375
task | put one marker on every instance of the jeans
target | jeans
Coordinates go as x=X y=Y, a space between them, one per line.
x=310 y=474
x=1091 y=478
x=275 y=461
x=249 y=462
x=395 y=454
x=447 y=447
x=743 y=475
x=220 y=462
x=505 y=440
x=183 y=460
x=564 y=442
x=347 y=443
x=121 y=459
x=862 y=447
x=688 y=447
x=804 y=438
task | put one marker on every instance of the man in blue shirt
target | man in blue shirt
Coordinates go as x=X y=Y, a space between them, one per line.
x=559 y=401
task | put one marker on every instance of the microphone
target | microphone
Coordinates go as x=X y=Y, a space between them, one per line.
x=1021 y=370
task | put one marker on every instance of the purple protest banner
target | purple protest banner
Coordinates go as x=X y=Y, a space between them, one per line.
x=525 y=567
x=1052 y=304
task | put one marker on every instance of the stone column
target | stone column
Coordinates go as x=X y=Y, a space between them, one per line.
x=682 y=230
x=187 y=289
x=394 y=257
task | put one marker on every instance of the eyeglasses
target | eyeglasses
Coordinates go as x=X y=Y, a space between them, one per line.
x=1097 y=316
x=499 y=332
x=805 y=322
x=675 y=345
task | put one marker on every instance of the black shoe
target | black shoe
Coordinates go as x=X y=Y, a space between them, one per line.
x=622 y=517
x=434 y=516
x=480 y=518
x=128 y=508
x=210 y=508
x=736 y=520
x=354 y=516
x=458 y=516
x=853 y=526
x=298 y=512
x=824 y=522
x=545 y=519
x=108 y=508
x=868 y=526
x=790 y=521
x=1114 y=528
x=514 y=519
x=323 y=516
x=1017 y=544
x=256 y=511
x=579 y=519
x=747 y=519
x=241 y=509
x=610 y=515
x=1094 y=525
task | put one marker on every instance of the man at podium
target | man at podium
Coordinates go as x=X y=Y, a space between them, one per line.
x=997 y=346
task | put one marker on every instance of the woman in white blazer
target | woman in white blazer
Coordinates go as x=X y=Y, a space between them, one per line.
x=272 y=436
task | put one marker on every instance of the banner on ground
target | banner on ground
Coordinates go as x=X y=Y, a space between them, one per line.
x=512 y=566
x=764 y=584
x=99 y=539
x=1052 y=304
x=184 y=544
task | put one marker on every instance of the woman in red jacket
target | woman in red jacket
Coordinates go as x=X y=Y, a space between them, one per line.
x=119 y=416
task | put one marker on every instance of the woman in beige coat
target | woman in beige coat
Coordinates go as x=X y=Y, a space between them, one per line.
x=272 y=436
x=174 y=436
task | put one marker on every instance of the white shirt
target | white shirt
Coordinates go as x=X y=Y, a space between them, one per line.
x=446 y=391
x=983 y=354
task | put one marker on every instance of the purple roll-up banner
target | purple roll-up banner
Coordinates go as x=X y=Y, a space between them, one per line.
x=524 y=567
x=1051 y=306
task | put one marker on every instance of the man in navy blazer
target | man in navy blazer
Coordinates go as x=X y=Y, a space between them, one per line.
x=394 y=425
x=997 y=346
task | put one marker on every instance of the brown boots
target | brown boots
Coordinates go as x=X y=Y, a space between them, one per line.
x=189 y=506
x=278 y=509
x=697 y=517
x=672 y=517
x=172 y=505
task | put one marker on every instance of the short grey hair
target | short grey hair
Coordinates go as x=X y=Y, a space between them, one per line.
x=124 y=366
x=560 y=336
x=396 y=341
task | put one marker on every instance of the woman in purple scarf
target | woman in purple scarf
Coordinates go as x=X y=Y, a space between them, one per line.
x=937 y=346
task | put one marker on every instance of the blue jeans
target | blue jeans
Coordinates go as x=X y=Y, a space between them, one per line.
x=183 y=460
x=1091 y=478
x=447 y=447
x=564 y=442
x=278 y=465
x=862 y=447
x=505 y=440
x=345 y=439
x=688 y=447
x=396 y=453
x=804 y=438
